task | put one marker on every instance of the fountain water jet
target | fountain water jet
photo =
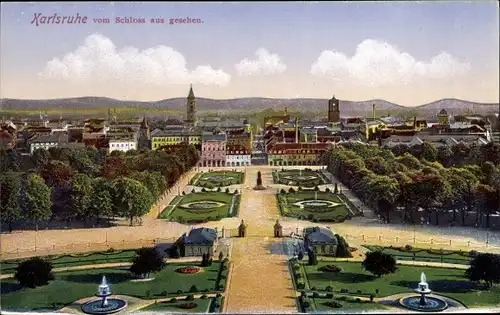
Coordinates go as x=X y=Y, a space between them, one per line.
x=104 y=305
x=423 y=302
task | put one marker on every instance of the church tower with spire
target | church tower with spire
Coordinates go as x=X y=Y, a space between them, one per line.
x=191 y=108
x=144 y=140
x=333 y=110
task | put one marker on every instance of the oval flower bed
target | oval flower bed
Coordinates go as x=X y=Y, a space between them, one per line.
x=331 y=268
x=188 y=270
x=188 y=305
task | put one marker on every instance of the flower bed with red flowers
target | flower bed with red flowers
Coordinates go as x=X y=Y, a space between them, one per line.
x=188 y=270
x=331 y=268
x=188 y=305
x=352 y=249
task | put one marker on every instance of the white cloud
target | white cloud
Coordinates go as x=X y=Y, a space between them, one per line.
x=266 y=63
x=378 y=63
x=98 y=60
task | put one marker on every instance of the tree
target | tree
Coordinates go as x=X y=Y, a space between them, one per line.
x=259 y=179
x=40 y=157
x=485 y=267
x=132 y=199
x=205 y=258
x=174 y=251
x=300 y=256
x=221 y=256
x=148 y=260
x=80 y=194
x=56 y=173
x=336 y=189
x=313 y=258
x=10 y=195
x=342 y=247
x=379 y=263
x=34 y=272
x=101 y=201
x=37 y=202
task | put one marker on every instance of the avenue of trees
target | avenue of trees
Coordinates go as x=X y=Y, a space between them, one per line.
x=87 y=184
x=455 y=181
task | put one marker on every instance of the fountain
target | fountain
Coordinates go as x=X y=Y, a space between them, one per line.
x=423 y=302
x=104 y=305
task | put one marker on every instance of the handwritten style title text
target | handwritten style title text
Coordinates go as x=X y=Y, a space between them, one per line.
x=39 y=19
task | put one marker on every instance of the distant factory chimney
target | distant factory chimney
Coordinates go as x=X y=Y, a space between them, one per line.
x=373 y=112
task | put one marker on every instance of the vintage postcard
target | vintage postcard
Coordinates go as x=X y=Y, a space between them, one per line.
x=250 y=157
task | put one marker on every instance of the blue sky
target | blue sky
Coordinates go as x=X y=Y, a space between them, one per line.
x=294 y=33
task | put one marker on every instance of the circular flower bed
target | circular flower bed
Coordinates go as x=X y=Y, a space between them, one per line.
x=331 y=268
x=188 y=305
x=188 y=270
x=333 y=304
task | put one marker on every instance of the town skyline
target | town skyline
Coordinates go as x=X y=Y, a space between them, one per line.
x=406 y=53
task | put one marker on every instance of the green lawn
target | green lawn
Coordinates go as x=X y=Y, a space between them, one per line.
x=71 y=286
x=217 y=179
x=9 y=266
x=220 y=207
x=203 y=306
x=348 y=304
x=302 y=178
x=444 y=281
x=445 y=256
x=289 y=207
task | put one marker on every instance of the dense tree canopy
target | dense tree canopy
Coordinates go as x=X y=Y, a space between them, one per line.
x=81 y=184
x=407 y=181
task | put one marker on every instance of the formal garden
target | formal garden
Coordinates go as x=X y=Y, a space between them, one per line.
x=326 y=284
x=36 y=287
x=189 y=304
x=408 y=252
x=202 y=206
x=315 y=205
x=304 y=178
x=78 y=259
x=214 y=179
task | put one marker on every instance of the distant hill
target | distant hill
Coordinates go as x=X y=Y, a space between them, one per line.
x=346 y=107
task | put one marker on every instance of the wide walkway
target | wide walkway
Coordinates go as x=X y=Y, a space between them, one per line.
x=258 y=281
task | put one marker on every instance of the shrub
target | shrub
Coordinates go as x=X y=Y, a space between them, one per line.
x=298 y=276
x=327 y=190
x=193 y=289
x=408 y=247
x=291 y=190
x=183 y=193
x=377 y=291
x=357 y=300
x=329 y=295
x=219 y=189
x=34 y=272
x=342 y=298
x=110 y=250
x=203 y=297
x=193 y=191
x=359 y=292
x=173 y=300
x=473 y=253
x=296 y=266
x=282 y=191
x=189 y=297
x=371 y=297
x=164 y=293
x=329 y=288
x=313 y=288
x=203 y=190
x=315 y=295
x=316 y=188
x=344 y=290
x=227 y=190
x=179 y=291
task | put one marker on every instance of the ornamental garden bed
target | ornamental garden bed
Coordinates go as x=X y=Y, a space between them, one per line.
x=189 y=270
x=180 y=306
x=81 y=259
x=313 y=206
x=408 y=252
x=303 y=178
x=340 y=304
x=217 y=179
x=74 y=285
x=202 y=207
x=354 y=281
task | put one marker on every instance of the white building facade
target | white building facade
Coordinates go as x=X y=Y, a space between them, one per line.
x=122 y=145
x=238 y=160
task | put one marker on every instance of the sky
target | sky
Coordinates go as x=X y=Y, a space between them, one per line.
x=409 y=53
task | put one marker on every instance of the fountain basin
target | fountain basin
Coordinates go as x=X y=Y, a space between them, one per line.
x=433 y=303
x=95 y=306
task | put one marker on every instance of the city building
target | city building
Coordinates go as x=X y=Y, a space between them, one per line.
x=333 y=110
x=191 y=118
x=47 y=141
x=213 y=150
x=123 y=141
x=237 y=155
x=161 y=138
x=144 y=139
x=199 y=241
x=320 y=240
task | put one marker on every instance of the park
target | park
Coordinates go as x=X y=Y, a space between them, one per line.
x=223 y=198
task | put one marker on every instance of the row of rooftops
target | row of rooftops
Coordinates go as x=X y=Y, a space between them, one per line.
x=208 y=236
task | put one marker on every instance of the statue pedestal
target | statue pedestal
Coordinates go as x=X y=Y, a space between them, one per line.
x=259 y=187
